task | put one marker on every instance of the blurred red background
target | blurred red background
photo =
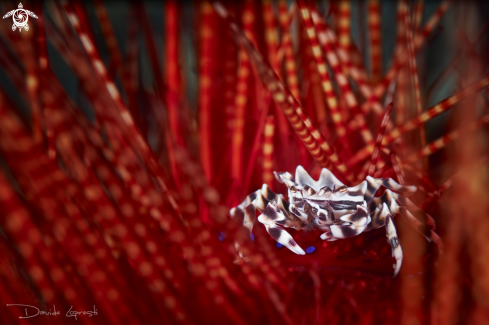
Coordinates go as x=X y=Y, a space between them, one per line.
x=129 y=129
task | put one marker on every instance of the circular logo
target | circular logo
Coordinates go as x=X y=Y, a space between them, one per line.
x=20 y=18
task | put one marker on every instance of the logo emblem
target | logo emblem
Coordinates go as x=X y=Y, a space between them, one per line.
x=20 y=17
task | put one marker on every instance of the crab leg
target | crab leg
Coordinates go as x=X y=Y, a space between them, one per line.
x=274 y=213
x=387 y=206
x=394 y=242
x=373 y=184
x=354 y=224
x=249 y=216
x=270 y=217
x=422 y=216
x=382 y=216
x=378 y=216
x=392 y=200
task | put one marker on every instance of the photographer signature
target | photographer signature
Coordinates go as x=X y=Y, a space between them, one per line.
x=32 y=311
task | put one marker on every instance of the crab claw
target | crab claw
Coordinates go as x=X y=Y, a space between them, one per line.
x=393 y=185
x=358 y=222
x=359 y=218
x=285 y=178
x=394 y=242
x=272 y=214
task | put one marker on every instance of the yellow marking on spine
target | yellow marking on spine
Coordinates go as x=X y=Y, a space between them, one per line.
x=269 y=130
x=332 y=102
x=344 y=41
x=243 y=72
x=344 y=23
x=74 y=20
x=238 y=123
x=113 y=90
x=310 y=32
x=292 y=80
x=279 y=97
x=268 y=163
x=337 y=117
x=409 y=125
x=438 y=109
x=452 y=100
x=31 y=81
x=241 y=100
x=315 y=151
x=268 y=148
x=327 y=86
x=305 y=13
x=367 y=136
x=438 y=143
x=322 y=68
x=394 y=134
x=341 y=80
x=350 y=99
x=316 y=51
x=290 y=65
x=99 y=66
x=426 y=151
x=248 y=17
x=424 y=117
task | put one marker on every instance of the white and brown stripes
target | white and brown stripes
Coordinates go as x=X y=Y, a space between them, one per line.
x=241 y=101
x=126 y=125
x=378 y=142
x=443 y=141
x=439 y=108
x=129 y=75
x=327 y=38
x=268 y=151
x=286 y=52
x=172 y=74
x=43 y=68
x=110 y=39
x=401 y=55
x=286 y=47
x=397 y=168
x=430 y=113
x=343 y=24
x=414 y=74
x=271 y=41
x=322 y=70
x=207 y=38
x=402 y=81
x=229 y=83
x=374 y=32
x=311 y=137
x=340 y=77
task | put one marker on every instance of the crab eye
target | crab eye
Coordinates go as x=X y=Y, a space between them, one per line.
x=309 y=190
x=288 y=182
x=341 y=190
x=326 y=191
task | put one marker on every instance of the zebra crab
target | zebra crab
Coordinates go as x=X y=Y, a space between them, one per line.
x=330 y=206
